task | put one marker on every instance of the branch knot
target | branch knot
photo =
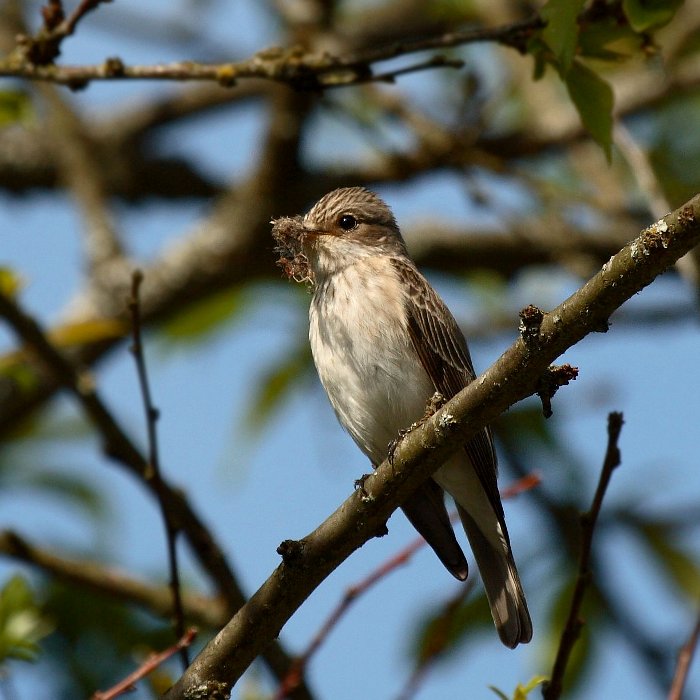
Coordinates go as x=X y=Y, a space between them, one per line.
x=549 y=383
x=530 y=322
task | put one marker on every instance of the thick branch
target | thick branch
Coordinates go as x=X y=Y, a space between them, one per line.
x=513 y=377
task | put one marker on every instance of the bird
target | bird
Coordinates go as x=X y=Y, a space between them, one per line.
x=384 y=343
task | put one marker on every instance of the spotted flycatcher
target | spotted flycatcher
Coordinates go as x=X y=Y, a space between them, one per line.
x=383 y=343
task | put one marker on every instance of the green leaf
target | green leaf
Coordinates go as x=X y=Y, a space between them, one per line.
x=561 y=32
x=678 y=564
x=593 y=99
x=644 y=15
x=10 y=282
x=277 y=384
x=541 y=53
x=15 y=106
x=88 y=332
x=522 y=691
x=67 y=488
x=609 y=41
x=21 y=623
x=14 y=368
x=449 y=625
x=115 y=633
x=527 y=425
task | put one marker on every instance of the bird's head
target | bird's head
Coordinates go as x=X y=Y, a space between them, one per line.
x=345 y=225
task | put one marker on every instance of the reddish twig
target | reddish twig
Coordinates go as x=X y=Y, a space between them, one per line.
x=526 y=483
x=572 y=629
x=150 y=664
x=297 y=669
x=685 y=658
x=153 y=471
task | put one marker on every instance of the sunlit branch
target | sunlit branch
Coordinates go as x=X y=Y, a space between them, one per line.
x=298 y=668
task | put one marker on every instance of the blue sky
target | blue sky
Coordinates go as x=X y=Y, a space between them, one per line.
x=280 y=486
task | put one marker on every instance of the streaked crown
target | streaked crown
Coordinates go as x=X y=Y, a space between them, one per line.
x=358 y=202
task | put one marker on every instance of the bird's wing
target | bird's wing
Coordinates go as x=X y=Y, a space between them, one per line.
x=443 y=352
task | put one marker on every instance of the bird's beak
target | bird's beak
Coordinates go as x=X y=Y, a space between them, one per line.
x=314 y=233
x=308 y=233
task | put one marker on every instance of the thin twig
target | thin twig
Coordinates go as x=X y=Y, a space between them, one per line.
x=649 y=184
x=685 y=658
x=79 y=12
x=300 y=71
x=153 y=470
x=553 y=688
x=642 y=170
x=298 y=667
x=150 y=664
x=45 y=46
x=118 y=446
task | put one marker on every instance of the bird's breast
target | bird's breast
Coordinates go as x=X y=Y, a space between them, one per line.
x=364 y=356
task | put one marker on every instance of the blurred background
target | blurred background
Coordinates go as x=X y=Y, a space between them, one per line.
x=505 y=199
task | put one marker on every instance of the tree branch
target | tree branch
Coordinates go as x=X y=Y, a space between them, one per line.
x=152 y=662
x=205 y=611
x=572 y=628
x=46 y=45
x=685 y=658
x=513 y=377
x=293 y=67
x=172 y=529
x=402 y=557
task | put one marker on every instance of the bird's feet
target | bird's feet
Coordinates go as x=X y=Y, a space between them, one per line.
x=435 y=403
x=391 y=447
x=360 y=486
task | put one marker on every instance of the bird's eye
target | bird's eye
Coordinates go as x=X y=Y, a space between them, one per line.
x=347 y=222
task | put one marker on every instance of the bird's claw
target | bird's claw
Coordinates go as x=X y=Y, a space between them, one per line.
x=360 y=486
x=435 y=403
x=393 y=445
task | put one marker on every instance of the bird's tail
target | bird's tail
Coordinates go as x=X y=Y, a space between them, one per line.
x=502 y=583
x=427 y=513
